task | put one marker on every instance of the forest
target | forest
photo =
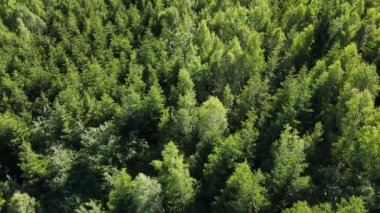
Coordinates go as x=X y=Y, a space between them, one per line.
x=189 y=106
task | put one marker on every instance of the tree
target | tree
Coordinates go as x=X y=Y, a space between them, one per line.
x=289 y=87
x=300 y=48
x=143 y=194
x=184 y=116
x=22 y=203
x=254 y=98
x=222 y=160
x=345 y=25
x=33 y=165
x=227 y=97
x=90 y=207
x=61 y=161
x=303 y=207
x=369 y=37
x=212 y=120
x=212 y=123
x=12 y=128
x=358 y=112
x=220 y=165
x=244 y=191
x=120 y=196
x=204 y=40
x=355 y=150
x=289 y=164
x=146 y=194
x=173 y=175
x=290 y=105
x=260 y=15
x=353 y=204
x=152 y=111
x=2 y=202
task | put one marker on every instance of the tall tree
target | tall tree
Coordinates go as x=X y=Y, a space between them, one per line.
x=184 y=116
x=289 y=165
x=173 y=175
x=119 y=198
x=211 y=126
x=244 y=191
x=146 y=195
x=221 y=162
x=22 y=203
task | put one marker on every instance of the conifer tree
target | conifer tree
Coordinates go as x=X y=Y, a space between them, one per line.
x=173 y=175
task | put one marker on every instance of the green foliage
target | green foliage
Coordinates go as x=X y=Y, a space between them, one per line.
x=173 y=175
x=60 y=163
x=143 y=194
x=345 y=26
x=254 y=98
x=90 y=207
x=147 y=194
x=184 y=118
x=302 y=206
x=244 y=191
x=222 y=160
x=22 y=203
x=2 y=201
x=211 y=126
x=33 y=165
x=354 y=204
x=292 y=101
x=212 y=120
x=289 y=88
x=289 y=164
x=12 y=128
x=221 y=163
x=119 y=198
x=300 y=49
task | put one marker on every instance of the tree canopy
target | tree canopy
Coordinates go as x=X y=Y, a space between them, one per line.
x=189 y=106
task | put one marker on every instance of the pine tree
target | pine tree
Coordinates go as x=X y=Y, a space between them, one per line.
x=244 y=191
x=173 y=175
x=289 y=165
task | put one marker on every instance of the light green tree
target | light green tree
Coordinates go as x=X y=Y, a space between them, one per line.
x=212 y=124
x=353 y=204
x=120 y=196
x=289 y=165
x=143 y=194
x=184 y=117
x=91 y=206
x=303 y=207
x=173 y=175
x=146 y=195
x=22 y=203
x=212 y=120
x=224 y=156
x=33 y=165
x=244 y=191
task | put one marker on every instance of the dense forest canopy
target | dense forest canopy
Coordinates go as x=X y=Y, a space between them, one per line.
x=189 y=106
